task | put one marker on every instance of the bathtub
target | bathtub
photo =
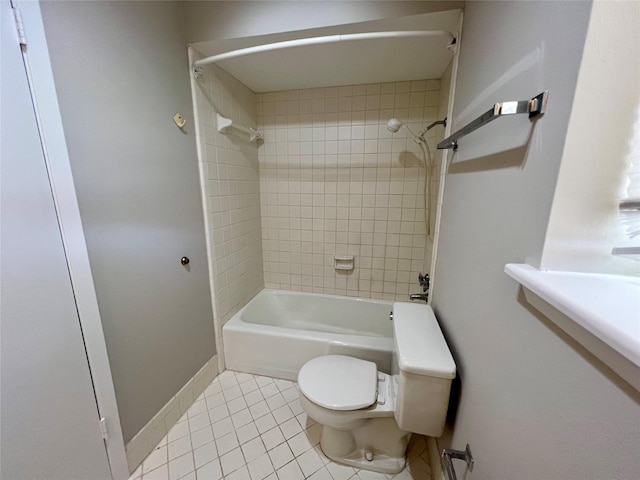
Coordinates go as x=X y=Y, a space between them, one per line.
x=278 y=331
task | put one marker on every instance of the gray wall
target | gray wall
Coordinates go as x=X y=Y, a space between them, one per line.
x=531 y=403
x=121 y=73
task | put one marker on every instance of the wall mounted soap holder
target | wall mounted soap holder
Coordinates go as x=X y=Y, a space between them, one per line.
x=343 y=262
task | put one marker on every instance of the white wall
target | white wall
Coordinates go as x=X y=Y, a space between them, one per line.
x=531 y=402
x=206 y=21
x=585 y=224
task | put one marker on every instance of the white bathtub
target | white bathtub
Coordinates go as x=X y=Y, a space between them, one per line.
x=278 y=331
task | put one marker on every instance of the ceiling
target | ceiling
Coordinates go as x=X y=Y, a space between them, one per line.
x=344 y=63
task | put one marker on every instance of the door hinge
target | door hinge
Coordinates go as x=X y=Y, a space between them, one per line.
x=103 y=429
x=17 y=16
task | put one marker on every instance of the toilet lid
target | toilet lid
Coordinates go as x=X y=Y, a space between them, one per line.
x=339 y=382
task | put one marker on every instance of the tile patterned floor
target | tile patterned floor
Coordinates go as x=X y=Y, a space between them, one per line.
x=250 y=427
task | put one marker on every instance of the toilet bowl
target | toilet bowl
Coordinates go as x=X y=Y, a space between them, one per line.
x=368 y=416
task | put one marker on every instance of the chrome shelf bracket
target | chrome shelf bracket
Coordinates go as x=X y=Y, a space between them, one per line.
x=448 y=455
x=534 y=107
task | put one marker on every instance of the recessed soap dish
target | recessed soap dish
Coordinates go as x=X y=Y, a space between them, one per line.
x=343 y=262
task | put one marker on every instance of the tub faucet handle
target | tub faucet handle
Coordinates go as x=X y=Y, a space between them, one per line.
x=423 y=280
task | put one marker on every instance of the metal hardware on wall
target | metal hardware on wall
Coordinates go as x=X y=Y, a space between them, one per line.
x=184 y=260
x=534 y=107
x=423 y=280
x=448 y=455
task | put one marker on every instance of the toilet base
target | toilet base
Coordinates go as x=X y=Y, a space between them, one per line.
x=379 y=439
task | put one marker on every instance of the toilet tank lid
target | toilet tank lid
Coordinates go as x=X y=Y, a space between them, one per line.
x=419 y=342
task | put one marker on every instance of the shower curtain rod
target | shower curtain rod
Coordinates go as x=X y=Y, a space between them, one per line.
x=319 y=41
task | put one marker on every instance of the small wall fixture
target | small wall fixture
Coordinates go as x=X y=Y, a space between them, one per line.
x=224 y=123
x=448 y=455
x=343 y=262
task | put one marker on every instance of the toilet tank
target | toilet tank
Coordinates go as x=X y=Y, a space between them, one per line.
x=423 y=367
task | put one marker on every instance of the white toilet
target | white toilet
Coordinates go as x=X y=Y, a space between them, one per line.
x=368 y=416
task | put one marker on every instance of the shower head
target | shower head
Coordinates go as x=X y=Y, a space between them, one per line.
x=394 y=125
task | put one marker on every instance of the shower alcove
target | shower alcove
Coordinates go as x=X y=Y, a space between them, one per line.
x=326 y=178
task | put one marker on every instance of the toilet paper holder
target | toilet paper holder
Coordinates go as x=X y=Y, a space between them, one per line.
x=449 y=454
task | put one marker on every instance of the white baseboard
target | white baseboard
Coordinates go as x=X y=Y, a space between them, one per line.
x=146 y=439
x=437 y=473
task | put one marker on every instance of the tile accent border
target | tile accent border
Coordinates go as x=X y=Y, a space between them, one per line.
x=146 y=439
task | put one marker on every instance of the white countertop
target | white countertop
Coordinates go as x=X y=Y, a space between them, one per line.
x=607 y=306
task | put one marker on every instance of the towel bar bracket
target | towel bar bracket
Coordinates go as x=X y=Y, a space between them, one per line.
x=534 y=107
x=448 y=455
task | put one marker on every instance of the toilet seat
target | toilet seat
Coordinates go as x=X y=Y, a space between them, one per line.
x=338 y=382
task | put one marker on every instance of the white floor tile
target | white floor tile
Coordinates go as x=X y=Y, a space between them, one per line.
x=201 y=437
x=253 y=449
x=205 y=454
x=272 y=438
x=222 y=428
x=265 y=423
x=300 y=443
x=253 y=397
x=291 y=471
x=309 y=462
x=227 y=443
x=276 y=401
x=282 y=414
x=213 y=389
x=322 y=474
x=243 y=377
x=368 y=475
x=232 y=392
x=240 y=474
x=215 y=400
x=181 y=466
x=237 y=404
x=260 y=467
x=155 y=459
x=269 y=390
x=250 y=427
x=290 y=428
x=241 y=418
x=199 y=421
x=280 y=455
x=196 y=408
x=179 y=430
x=247 y=432
x=218 y=413
x=210 y=471
x=283 y=384
x=259 y=409
x=290 y=394
x=231 y=461
x=160 y=473
x=179 y=447
x=340 y=472
x=249 y=386
x=263 y=381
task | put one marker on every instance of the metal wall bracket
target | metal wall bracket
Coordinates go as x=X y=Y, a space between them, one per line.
x=534 y=107
x=448 y=455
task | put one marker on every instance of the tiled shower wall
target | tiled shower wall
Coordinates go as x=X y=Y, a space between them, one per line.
x=229 y=173
x=335 y=181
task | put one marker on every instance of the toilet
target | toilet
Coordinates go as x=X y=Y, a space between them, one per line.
x=368 y=416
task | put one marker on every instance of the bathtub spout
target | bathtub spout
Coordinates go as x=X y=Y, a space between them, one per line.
x=419 y=296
